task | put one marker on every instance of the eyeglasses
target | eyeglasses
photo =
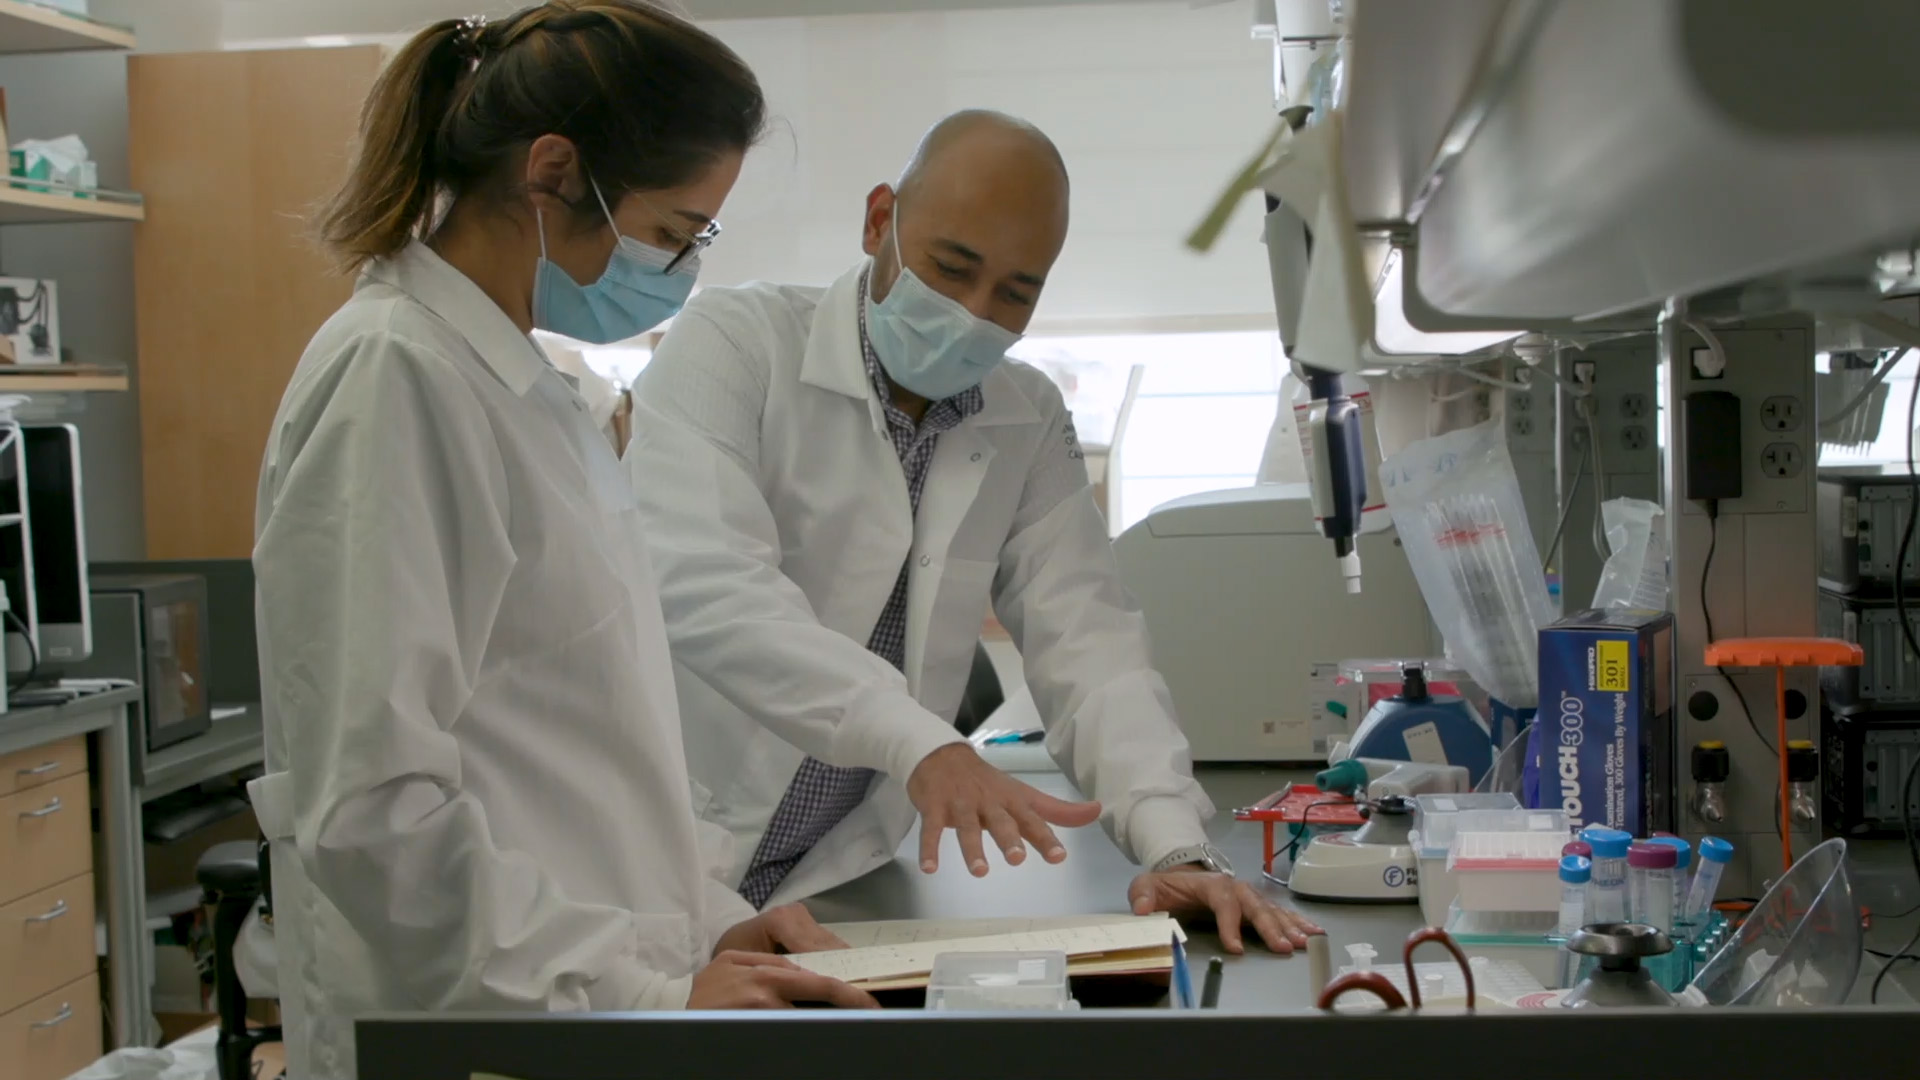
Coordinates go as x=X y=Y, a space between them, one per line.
x=692 y=243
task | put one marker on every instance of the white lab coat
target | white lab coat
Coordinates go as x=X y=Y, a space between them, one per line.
x=779 y=518
x=477 y=793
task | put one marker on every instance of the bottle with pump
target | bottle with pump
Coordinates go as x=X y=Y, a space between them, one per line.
x=1711 y=767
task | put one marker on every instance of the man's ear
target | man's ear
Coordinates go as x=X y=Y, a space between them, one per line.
x=879 y=219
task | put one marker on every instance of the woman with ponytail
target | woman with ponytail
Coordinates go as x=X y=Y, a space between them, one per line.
x=476 y=795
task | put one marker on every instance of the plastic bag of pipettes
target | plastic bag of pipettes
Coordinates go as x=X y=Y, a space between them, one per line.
x=1456 y=504
x=1635 y=575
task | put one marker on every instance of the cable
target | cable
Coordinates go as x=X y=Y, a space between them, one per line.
x=1600 y=547
x=1489 y=379
x=1906 y=631
x=1566 y=510
x=33 y=654
x=1706 y=612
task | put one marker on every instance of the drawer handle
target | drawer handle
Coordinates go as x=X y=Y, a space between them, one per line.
x=59 y=909
x=40 y=770
x=52 y=807
x=65 y=1014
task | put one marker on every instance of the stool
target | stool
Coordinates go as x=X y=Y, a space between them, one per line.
x=234 y=877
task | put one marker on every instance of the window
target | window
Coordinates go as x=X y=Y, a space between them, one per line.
x=1199 y=423
x=1878 y=429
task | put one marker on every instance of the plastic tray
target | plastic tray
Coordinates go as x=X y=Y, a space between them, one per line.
x=997 y=981
x=1506 y=871
x=1436 y=817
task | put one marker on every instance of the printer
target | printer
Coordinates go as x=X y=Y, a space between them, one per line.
x=1242 y=600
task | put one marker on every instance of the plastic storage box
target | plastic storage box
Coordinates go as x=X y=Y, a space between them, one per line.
x=999 y=981
x=1522 y=938
x=1507 y=871
x=1435 y=819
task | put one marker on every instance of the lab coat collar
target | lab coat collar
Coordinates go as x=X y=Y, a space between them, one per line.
x=834 y=362
x=422 y=274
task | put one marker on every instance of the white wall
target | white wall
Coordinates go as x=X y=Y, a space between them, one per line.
x=1154 y=105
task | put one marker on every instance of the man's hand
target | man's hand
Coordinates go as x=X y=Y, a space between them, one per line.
x=788 y=928
x=741 y=980
x=953 y=789
x=1232 y=903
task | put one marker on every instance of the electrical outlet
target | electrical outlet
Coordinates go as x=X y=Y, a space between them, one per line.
x=1634 y=437
x=1780 y=414
x=1580 y=438
x=1522 y=424
x=1521 y=402
x=1781 y=461
x=1633 y=406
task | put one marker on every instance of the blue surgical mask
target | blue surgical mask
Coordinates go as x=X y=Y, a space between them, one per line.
x=929 y=343
x=634 y=294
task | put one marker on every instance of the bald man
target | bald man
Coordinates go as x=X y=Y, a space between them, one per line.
x=838 y=482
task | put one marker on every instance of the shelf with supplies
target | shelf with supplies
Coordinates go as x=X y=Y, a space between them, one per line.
x=60 y=379
x=60 y=205
x=39 y=28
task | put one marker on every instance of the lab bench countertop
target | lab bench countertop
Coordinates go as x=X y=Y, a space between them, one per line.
x=38 y=725
x=1095 y=876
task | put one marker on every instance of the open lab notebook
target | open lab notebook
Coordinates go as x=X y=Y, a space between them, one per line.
x=899 y=955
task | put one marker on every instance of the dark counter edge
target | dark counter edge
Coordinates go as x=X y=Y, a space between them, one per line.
x=1149 y=1045
x=21 y=729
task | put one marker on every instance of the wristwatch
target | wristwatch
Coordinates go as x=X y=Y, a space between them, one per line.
x=1205 y=855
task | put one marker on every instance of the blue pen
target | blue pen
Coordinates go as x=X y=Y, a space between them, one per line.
x=1182 y=978
x=1016 y=737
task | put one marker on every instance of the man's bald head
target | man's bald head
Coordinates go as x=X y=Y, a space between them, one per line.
x=981 y=211
x=974 y=137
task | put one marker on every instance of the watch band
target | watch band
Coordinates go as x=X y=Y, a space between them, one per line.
x=1201 y=854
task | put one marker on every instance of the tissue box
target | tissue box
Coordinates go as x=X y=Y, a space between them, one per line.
x=1603 y=738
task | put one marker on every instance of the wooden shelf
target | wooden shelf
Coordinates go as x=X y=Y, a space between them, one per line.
x=33 y=28
x=19 y=206
x=59 y=379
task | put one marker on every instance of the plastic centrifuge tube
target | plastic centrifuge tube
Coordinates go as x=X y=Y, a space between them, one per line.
x=1650 y=885
x=1715 y=854
x=1682 y=880
x=1362 y=956
x=1577 y=847
x=1575 y=872
x=1608 y=903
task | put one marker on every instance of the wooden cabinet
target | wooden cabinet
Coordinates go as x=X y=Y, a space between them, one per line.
x=233 y=150
x=53 y=1036
x=49 y=986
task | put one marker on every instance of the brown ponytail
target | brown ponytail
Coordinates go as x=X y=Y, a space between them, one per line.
x=649 y=100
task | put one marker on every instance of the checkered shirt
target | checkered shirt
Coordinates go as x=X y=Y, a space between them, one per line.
x=822 y=794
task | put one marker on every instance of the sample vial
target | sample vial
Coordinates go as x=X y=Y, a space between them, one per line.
x=1577 y=847
x=1715 y=854
x=1682 y=879
x=1650 y=885
x=1575 y=873
x=1608 y=902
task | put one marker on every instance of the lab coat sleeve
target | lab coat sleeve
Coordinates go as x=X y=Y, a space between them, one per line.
x=380 y=566
x=1109 y=718
x=725 y=907
x=734 y=618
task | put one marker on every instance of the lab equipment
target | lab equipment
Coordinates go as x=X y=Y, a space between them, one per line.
x=1379 y=985
x=1862 y=513
x=1457 y=507
x=1435 y=819
x=1416 y=725
x=1711 y=765
x=1635 y=575
x=986 y=982
x=1682 y=876
x=1609 y=898
x=1342 y=694
x=1319 y=964
x=1799 y=946
x=1619 y=980
x=1602 y=741
x=1715 y=854
x=1444 y=984
x=1860 y=747
x=1781 y=653
x=1650 y=885
x=1525 y=938
x=30 y=319
x=1374 y=865
x=1888 y=673
x=1506 y=870
x=1305 y=810
x=1575 y=872
x=1381 y=778
x=1803 y=768
x=1260 y=547
x=1336 y=466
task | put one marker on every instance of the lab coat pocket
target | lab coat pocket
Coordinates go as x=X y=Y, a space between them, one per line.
x=953 y=631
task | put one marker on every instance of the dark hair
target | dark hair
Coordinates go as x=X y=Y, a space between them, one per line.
x=649 y=100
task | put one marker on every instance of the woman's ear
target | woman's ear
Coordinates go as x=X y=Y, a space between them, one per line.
x=553 y=170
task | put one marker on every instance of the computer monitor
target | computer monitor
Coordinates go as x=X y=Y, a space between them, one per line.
x=59 y=536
